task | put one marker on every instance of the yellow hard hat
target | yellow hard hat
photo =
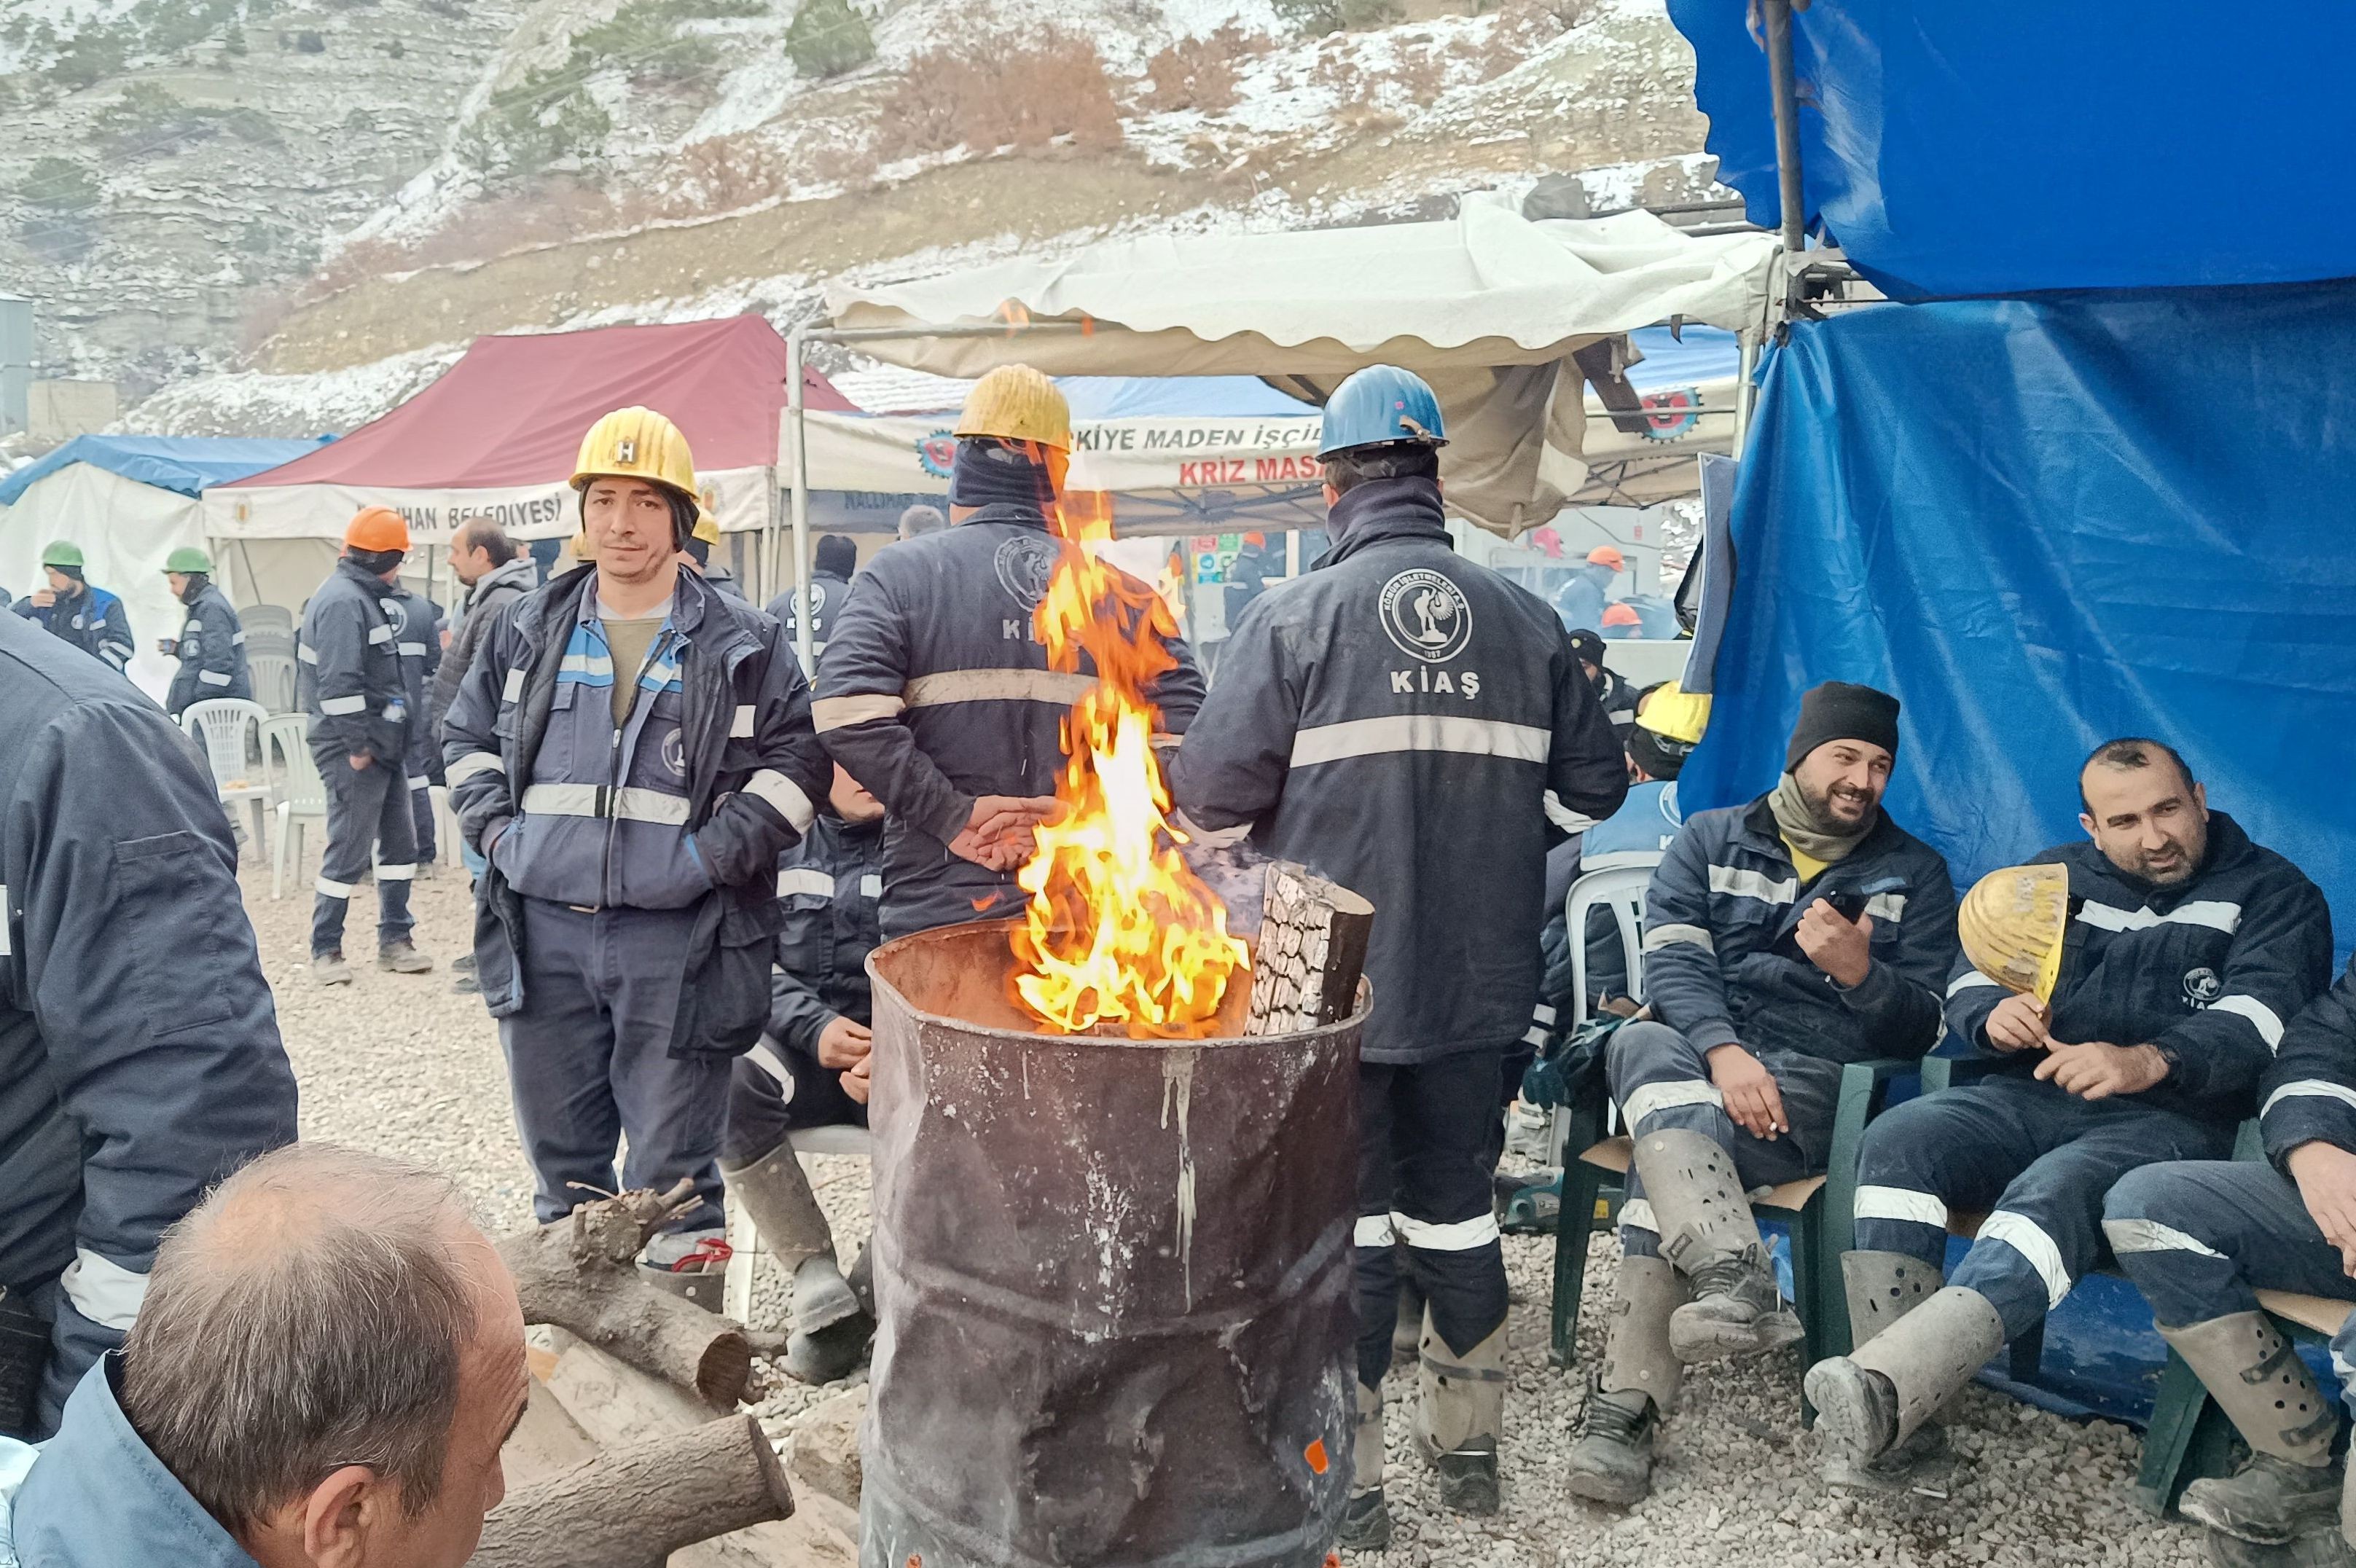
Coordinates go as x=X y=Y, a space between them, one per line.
x=707 y=527
x=581 y=548
x=637 y=443
x=1015 y=402
x=2011 y=924
x=1676 y=714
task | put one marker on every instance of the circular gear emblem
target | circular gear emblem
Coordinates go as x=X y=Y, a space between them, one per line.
x=1427 y=615
x=674 y=752
x=2202 y=986
x=1024 y=564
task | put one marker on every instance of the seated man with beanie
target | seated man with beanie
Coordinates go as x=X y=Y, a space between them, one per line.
x=1782 y=940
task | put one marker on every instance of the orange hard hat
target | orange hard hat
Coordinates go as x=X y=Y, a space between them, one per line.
x=1607 y=555
x=377 y=529
x=1622 y=615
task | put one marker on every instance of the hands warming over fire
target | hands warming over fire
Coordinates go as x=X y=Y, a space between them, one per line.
x=999 y=834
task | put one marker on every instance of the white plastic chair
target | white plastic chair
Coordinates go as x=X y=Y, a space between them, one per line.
x=1616 y=882
x=229 y=729
x=274 y=616
x=744 y=1238
x=294 y=781
x=274 y=680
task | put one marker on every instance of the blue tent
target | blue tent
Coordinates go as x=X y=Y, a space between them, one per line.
x=2109 y=504
x=183 y=463
x=2012 y=145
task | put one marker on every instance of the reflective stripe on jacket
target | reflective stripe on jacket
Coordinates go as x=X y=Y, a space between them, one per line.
x=934 y=689
x=211 y=652
x=832 y=885
x=1394 y=720
x=348 y=672
x=2211 y=970
x=752 y=771
x=1722 y=959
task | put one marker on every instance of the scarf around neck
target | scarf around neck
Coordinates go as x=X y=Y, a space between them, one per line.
x=1803 y=832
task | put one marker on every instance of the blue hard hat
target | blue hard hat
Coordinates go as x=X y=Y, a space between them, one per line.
x=1379 y=404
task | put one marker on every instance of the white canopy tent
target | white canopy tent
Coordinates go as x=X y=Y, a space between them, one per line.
x=1488 y=307
x=125 y=530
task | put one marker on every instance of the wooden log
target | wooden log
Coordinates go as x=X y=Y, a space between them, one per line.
x=616 y=1405
x=581 y=1274
x=1312 y=952
x=633 y=1507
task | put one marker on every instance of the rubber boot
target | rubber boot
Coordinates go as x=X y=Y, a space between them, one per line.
x=1461 y=1416
x=1873 y=1399
x=829 y=1328
x=1634 y=1389
x=2287 y=1488
x=1881 y=1288
x=1366 y=1518
x=1708 y=1235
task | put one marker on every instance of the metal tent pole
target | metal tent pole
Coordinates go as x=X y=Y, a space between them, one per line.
x=801 y=456
x=1781 y=83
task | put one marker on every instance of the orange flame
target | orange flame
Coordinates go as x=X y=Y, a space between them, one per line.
x=1118 y=928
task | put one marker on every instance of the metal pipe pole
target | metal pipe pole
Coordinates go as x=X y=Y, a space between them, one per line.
x=800 y=455
x=1781 y=83
x=1745 y=394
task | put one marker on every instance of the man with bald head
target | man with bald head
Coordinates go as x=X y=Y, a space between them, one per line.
x=329 y=1360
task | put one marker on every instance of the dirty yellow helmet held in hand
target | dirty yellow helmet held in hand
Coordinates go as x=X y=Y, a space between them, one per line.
x=637 y=443
x=2011 y=924
x=1015 y=402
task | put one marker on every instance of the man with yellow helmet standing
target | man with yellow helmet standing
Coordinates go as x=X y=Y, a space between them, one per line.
x=2131 y=990
x=631 y=750
x=935 y=692
x=348 y=679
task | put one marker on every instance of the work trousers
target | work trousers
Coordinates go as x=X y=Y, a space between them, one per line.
x=1425 y=1137
x=1660 y=1079
x=421 y=813
x=773 y=1091
x=2036 y=1159
x=367 y=819
x=590 y=1064
x=2200 y=1237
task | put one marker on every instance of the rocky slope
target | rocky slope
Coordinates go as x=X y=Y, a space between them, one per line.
x=311 y=234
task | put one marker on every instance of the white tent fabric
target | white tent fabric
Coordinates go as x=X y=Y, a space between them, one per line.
x=1487 y=288
x=125 y=530
x=739 y=498
x=1487 y=306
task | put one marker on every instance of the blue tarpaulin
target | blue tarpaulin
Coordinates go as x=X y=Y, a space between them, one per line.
x=2045 y=523
x=1136 y=397
x=2011 y=146
x=187 y=464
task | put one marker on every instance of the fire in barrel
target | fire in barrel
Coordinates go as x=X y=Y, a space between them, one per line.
x=1113 y=1226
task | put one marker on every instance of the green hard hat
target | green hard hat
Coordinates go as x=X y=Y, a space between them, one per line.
x=61 y=553
x=187 y=558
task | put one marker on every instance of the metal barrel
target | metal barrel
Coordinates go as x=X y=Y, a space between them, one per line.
x=1113 y=1281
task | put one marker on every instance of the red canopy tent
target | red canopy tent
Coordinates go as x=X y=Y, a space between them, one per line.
x=497 y=434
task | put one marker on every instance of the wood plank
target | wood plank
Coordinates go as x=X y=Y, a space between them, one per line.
x=2323 y=1314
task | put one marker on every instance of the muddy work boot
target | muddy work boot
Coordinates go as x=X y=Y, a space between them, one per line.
x=830 y=1331
x=1874 y=1400
x=1366 y=1518
x=1708 y=1234
x=330 y=969
x=2288 y=1486
x=400 y=956
x=2320 y=1546
x=1633 y=1390
x=1459 y=1417
x=1881 y=1288
x=1611 y=1448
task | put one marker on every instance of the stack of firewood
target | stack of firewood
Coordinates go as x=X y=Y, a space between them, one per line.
x=1312 y=952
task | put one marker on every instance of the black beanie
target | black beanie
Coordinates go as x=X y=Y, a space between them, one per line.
x=988 y=472
x=1589 y=646
x=1837 y=711
x=836 y=556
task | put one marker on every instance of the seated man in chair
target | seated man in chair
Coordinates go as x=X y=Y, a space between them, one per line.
x=2186 y=948
x=810 y=1069
x=2200 y=1237
x=1782 y=939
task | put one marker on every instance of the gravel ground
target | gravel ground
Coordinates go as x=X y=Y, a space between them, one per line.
x=403 y=1064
